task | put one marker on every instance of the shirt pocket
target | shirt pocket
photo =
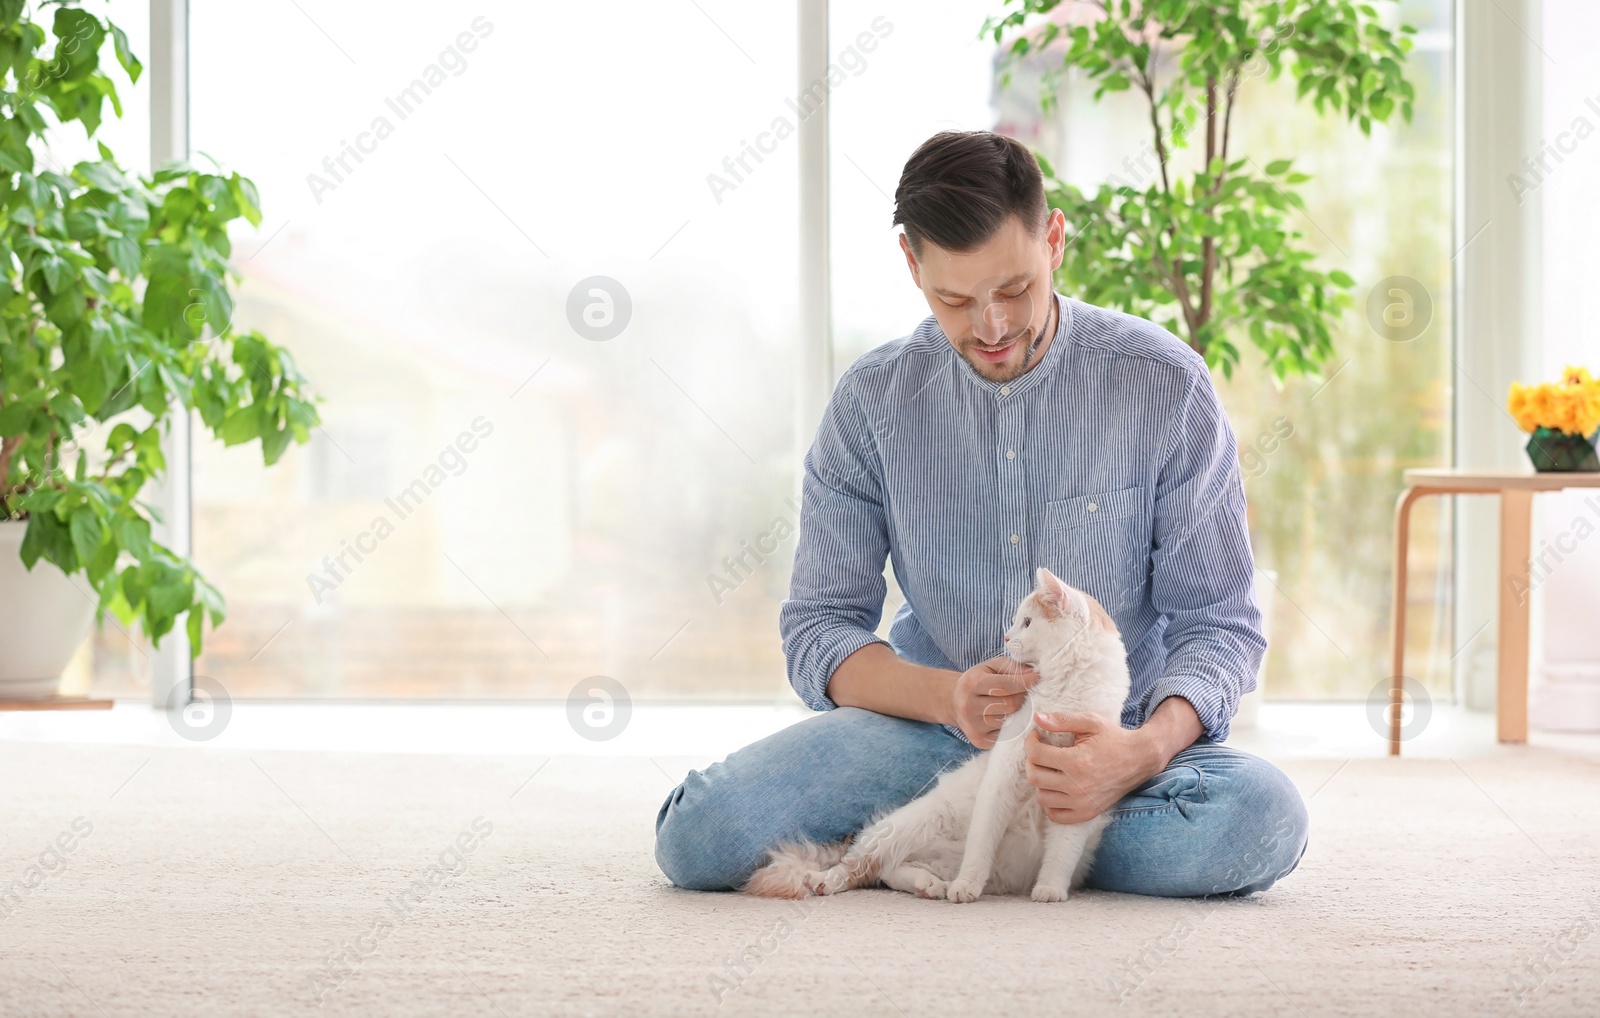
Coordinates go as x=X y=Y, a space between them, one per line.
x=1100 y=542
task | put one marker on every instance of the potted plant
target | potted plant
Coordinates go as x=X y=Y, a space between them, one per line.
x=1562 y=420
x=115 y=319
x=1200 y=242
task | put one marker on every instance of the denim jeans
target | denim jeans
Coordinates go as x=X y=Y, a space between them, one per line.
x=1215 y=821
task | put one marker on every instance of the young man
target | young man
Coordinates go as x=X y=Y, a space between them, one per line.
x=1014 y=428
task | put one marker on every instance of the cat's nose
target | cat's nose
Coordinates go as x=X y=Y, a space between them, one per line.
x=1006 y=638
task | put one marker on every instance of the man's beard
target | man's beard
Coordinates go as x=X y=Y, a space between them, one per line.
x=1027 y=358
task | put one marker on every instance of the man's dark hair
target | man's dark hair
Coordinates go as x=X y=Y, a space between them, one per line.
x=958 y=187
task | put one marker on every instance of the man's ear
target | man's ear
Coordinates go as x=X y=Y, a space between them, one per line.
x=1055 y=238
x=911 y=260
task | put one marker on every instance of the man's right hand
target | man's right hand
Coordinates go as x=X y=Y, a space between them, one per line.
x=988 y=693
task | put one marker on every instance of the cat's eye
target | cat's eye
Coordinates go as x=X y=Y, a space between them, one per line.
x=1025 y=621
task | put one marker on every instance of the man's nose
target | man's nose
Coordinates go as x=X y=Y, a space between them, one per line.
x=992 y=322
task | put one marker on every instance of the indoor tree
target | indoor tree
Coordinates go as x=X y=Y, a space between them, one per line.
x=1203 y=245
x=115 y=318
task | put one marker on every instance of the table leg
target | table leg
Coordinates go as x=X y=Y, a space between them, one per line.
x=1516 y=536
x=1402 y=543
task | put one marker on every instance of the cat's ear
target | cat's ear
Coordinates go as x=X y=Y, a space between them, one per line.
x=1050 y=586
x=1055 y=592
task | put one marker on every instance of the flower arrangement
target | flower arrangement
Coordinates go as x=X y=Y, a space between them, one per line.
x=1562 y=418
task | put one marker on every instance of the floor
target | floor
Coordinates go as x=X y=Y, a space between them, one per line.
x=1284 y=730
x=364 y=859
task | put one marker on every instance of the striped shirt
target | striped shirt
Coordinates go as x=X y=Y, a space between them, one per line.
x=1110 y=461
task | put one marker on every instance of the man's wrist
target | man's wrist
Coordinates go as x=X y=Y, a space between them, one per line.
x=1172 y=727
x=945 y=680
x=875 y=678
x=1152 y=754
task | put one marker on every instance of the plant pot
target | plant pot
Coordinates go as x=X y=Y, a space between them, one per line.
x=1557 y=452
x=43 y=619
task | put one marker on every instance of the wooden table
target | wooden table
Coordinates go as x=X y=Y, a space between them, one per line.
x=1516 y=491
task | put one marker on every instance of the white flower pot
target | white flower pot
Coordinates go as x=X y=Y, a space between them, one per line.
x=1250 y=703
x=43 y=619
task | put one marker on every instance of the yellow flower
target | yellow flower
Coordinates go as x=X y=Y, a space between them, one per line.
x=1571 y=405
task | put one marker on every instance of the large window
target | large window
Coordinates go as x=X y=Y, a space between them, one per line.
x=549 y=291
x=557 y=356
x=1322 y=462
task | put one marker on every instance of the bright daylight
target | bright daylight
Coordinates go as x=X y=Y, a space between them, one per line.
x=956 y=507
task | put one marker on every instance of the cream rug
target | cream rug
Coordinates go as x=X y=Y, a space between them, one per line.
x=207 y=882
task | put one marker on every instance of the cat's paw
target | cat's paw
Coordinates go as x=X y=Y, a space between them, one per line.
x=829 y=881
x=963 y=890
x=1049 y=892
x=929 y=886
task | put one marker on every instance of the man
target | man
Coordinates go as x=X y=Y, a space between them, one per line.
x=1014 y=428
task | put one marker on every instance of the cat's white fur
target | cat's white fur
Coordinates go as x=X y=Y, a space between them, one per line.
x=981 y=828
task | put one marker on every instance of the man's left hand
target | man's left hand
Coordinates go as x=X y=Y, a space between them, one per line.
x=1081 y=781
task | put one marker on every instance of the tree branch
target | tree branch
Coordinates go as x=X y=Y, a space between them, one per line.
x=1147 y=85
x=1208 y=243
x=1227 y=117
x=8 y=449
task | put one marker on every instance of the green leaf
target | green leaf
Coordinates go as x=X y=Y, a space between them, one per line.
x=87 y=532
x=125 y=57
x=240 y=425
x=15 y=418
x=55 y=271
x=125 y=256
x=1277 y=166
x=133 y=534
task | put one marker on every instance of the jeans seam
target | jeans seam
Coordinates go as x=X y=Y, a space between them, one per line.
x=1131 y=810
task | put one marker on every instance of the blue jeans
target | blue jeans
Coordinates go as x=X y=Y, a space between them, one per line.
x=1215 y=821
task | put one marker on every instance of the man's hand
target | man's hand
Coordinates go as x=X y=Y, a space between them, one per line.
x=986 y=694
x=1081 y=781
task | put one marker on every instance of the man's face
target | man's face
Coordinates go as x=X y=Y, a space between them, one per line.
x=994 y=302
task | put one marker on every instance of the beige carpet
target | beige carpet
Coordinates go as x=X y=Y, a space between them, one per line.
x=218 y=883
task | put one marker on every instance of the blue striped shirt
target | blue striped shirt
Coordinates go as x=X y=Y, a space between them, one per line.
x=1110 y=461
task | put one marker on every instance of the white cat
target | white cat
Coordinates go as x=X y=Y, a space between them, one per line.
x=981 y=828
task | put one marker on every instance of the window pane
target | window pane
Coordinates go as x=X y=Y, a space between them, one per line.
x=1323 y=465
x=936 y=46
x=508 y=494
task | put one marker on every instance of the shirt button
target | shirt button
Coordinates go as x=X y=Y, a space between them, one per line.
x=1011 y=454
x=1015 y=538
x=1092 y=507
x=1005 y=390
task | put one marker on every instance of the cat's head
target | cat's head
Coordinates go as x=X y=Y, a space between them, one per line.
x=1052 y=618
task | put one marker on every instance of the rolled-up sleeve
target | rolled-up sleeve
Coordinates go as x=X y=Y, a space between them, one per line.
x=1202 y=570
x=837 y=587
